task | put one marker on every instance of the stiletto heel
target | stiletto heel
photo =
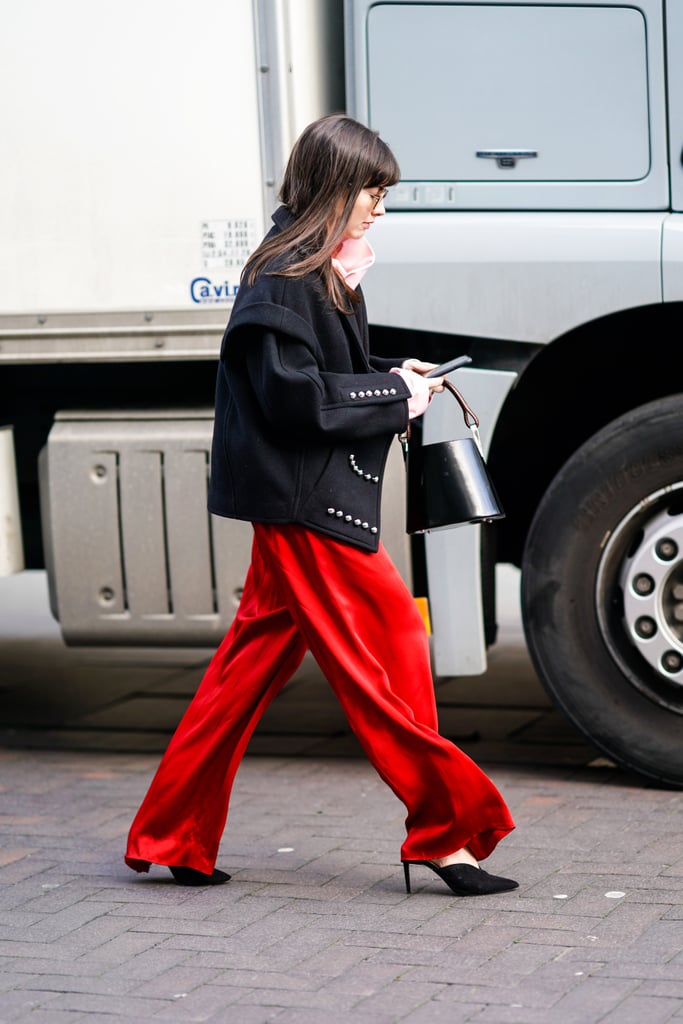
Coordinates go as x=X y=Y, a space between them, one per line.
x=464 y=879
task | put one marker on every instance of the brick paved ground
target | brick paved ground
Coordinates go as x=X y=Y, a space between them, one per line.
x=315 y=927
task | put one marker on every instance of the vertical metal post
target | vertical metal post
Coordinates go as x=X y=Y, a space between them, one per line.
x=11 y=545
x=270 y=30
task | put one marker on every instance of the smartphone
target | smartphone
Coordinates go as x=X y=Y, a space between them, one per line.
x=452 y=364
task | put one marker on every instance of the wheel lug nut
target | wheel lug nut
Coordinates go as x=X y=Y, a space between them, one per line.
x=666 y=549
x=672 y=661
x=643 y=584
x=645 y=627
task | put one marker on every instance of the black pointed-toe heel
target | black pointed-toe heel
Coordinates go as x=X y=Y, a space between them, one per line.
x=464 y=879
x=188 y=876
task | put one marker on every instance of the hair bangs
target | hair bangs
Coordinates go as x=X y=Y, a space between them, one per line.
x=383 y=169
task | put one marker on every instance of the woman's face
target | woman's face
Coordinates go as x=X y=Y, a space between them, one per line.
x=369 y=205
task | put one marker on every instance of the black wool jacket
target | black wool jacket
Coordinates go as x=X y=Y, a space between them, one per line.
x=304 y=414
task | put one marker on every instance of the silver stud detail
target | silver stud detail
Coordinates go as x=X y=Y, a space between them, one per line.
x=359 y=472
x=330 y=511
x=352 y=394
x=392 y=391
x=373 y=529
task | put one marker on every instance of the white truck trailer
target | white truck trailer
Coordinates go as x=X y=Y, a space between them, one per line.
x=538 y=227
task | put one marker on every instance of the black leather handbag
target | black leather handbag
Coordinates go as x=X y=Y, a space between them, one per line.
x=448 y=483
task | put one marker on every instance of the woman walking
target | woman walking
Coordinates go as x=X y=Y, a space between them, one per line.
x=304 y=420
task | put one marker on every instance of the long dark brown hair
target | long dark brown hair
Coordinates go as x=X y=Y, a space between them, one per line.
x=333 y=159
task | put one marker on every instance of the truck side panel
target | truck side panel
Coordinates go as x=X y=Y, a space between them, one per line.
x=548 y=272
x=127 y=190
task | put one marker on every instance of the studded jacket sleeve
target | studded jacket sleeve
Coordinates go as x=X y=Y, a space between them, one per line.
x=299 y=398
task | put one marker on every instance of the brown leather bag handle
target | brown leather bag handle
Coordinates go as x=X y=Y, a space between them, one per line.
x=467 y=410
x=469 y=415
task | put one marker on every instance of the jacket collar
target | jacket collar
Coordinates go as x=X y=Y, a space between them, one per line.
x=283 y=217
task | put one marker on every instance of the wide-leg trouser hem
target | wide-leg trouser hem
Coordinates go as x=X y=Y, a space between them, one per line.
x=356 y=615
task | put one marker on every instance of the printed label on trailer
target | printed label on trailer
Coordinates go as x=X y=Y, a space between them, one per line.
x=207 y=292
x=226 y=244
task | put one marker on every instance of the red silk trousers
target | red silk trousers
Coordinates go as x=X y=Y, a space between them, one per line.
x=353 y=611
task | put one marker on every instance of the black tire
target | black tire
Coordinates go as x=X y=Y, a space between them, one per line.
x=602 y=590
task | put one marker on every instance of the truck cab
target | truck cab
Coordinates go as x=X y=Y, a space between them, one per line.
x=537 y=228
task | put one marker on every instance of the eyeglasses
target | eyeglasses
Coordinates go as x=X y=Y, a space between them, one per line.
x=377 y=197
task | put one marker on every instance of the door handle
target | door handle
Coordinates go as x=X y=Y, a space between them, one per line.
x=507 y=157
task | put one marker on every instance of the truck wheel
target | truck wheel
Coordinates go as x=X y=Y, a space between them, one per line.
x=602 y=590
